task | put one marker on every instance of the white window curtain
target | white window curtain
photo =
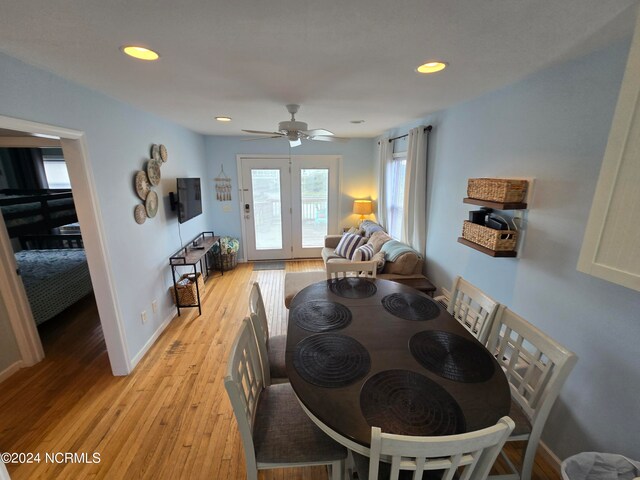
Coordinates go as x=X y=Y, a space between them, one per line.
x=396 y=170
x=414 y=225
x=385 y=155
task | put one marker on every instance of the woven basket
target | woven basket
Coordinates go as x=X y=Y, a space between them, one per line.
x=497 y=240
x=502 y=190
x=187 y=293
x=229 y=261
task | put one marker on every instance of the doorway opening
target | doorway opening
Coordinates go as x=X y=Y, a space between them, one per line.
x=37 y=205
x=17 y=133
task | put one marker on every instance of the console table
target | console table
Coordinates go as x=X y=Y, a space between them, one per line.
x=192 y=255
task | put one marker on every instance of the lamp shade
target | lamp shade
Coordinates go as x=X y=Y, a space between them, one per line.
x=362 y=207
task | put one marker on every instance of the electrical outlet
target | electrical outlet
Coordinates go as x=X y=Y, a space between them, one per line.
x=143 y=316
x=154 y=306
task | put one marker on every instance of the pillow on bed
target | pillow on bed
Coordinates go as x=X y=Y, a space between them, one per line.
x=348 y=244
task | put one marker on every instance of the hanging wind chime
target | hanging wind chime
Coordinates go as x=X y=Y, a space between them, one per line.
x=223 y=186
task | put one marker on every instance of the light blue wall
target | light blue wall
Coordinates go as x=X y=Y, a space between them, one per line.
x=118 y=138
x=357 y=176
x=552 y=126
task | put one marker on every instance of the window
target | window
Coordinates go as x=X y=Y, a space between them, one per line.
x=55 y=169
x=395 y=193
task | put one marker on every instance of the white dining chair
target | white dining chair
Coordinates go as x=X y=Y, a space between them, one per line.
x=469 y=456
x=274 y=429
x=335 y=270
x=273 y=356
x=536 y=367
x=473 y=308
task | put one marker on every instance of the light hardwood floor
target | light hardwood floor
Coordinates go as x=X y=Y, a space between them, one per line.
x=169 y=419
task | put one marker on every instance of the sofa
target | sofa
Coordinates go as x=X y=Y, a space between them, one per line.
x=407 y=264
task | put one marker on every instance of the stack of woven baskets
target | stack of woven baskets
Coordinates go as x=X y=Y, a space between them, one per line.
x=501 y=190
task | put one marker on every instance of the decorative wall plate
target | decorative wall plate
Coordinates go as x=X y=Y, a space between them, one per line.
x=151 y=204
x=140 y=214
x=155 y=152
x=153 y=171
x=142 y=184
x=164 y=155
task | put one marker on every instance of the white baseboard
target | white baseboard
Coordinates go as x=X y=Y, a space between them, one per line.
x=10 y=370
x=136 y=359
x=550 y=457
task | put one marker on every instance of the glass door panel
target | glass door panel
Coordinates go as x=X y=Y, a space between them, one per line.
x=267 y=208
x=314 y=202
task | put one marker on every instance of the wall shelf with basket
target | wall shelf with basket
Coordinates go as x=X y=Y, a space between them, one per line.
x=496 y=234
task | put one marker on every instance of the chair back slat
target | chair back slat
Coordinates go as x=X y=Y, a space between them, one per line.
x=536 y=366
x=244 y=384
x=260 y=325
x=472 y=308
x=336 y=270
x=472 y=454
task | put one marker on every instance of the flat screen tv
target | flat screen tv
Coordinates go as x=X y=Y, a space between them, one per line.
x=189 y=199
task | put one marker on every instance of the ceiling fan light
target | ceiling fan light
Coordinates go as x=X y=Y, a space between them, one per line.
x=431 y=67
x=223 y=119
x=141 y=53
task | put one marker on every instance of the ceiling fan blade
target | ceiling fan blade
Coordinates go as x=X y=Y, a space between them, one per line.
x=329 y=139
x=260 y=138
x=260 y=132
x=318 y=131
x=295 y=143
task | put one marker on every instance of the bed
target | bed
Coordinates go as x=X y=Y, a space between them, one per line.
x=36 y=211
x=54 y=278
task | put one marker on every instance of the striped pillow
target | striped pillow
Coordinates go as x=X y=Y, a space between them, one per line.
x=348 y=244
x=363 y=253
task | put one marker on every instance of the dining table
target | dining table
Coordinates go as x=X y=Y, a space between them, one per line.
x=365 y=352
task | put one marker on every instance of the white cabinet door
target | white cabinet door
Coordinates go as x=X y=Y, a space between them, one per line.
x=611 y=245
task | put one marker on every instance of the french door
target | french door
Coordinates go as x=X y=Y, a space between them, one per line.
x=288 y=204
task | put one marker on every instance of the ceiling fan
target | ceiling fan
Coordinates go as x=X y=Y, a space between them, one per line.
x=296 y=131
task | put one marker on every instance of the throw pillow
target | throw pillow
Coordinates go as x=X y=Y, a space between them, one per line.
x=363 y=253
x=348 y=244
x=370 y=228
x=380 y=260
x=377 y=240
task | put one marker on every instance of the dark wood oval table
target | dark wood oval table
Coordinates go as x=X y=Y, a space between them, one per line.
x=364 y=352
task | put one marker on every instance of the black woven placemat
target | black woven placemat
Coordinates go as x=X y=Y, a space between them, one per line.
x=331 y=360
x=452 y=356
x=353 y=287
x=407 y=403
x=321 y=316
x=411 y=306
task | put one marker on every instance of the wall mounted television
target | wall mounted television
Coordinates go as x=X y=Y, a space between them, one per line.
x=189 y=201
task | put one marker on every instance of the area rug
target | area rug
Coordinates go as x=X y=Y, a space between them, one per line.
x=278 y=265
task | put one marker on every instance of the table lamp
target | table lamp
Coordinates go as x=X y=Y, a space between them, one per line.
x=362 y=208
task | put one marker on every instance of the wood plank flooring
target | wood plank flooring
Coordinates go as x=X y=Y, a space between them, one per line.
x=169 y=419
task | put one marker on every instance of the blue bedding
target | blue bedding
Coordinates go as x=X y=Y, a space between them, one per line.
x=53 y=279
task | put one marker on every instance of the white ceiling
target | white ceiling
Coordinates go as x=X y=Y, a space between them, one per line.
x=341 y=60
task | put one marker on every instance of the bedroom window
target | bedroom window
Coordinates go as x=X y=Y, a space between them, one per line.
x=55 y=169
x=395 y=193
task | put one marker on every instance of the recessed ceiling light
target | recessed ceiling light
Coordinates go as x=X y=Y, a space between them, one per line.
x=223 y=119
x=431 y=67
x=140 y=53
x=357 y=121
